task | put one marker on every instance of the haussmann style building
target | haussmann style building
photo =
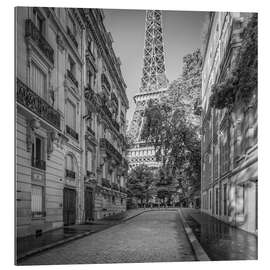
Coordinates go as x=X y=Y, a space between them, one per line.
x=70 y=120
x=229 y=138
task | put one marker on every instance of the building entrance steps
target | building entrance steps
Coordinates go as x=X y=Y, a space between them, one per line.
x=30 y=245
x=221 y=241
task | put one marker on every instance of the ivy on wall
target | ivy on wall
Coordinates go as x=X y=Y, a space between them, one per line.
x=241 y=83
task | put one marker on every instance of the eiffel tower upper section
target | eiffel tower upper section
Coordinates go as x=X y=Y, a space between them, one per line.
x=153 y=86
x=153 y=77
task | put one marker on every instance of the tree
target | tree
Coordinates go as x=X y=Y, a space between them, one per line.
x=172 y=125
x=140 y=182
x=239 y=86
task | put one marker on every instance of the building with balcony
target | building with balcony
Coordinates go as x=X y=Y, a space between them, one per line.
x=229 y=136
x=69 y=94
x=105 y=106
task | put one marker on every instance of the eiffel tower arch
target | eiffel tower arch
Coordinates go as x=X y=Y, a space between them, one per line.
x=154 y=85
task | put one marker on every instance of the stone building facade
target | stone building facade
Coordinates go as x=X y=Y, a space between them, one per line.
x=70 y=138
x=229 y=138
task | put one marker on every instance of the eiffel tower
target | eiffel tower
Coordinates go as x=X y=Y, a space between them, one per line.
x=153 y=86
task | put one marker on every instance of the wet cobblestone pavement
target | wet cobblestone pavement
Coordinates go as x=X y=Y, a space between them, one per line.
x=219 y=240
x=156 y=236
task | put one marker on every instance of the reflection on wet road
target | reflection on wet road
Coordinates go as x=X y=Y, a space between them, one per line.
x=219 y=240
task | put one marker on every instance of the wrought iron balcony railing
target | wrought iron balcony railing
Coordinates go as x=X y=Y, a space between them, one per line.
x=115 y=124
x=106 y=110
x=37 y=104
x=72 y=37
x=106 y=183
x=31 y=31
x=72 y=78
x=38 y=214
x=92 y=132
x=70 y=174
x=39 y=164
x=105 y=144
x=114 y=99
x=90 y=94
x=72 y=132
x=91 y=58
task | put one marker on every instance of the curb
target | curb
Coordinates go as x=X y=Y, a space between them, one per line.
x=64 y=241
x=128 y=218
x=49 y=246
x=200 y=254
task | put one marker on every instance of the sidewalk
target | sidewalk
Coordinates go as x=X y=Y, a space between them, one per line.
x=30 y=245
x=220 y=240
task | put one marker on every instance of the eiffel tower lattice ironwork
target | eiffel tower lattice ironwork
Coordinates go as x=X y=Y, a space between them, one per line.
x=153 y=85
x=153 y=77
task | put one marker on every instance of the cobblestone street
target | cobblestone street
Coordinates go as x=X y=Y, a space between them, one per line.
x=155 y=236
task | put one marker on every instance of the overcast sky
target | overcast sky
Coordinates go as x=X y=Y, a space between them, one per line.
x=181 y=35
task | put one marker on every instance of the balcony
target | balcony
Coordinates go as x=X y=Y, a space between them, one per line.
x=115 y=186
x=115 y=124
x=72 y=37
x=36 y=104
x=114 y=100
x=39 y=164
x=92 y=132
x=90 y=94
x=109 y=148
x=106 y=110
x=32 y=32
x=72 y=132
x=38 y=214
x=70 y=174
x=106 y=183
x=72 y=78
x=91 y=58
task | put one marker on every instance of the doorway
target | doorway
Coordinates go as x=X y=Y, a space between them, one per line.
x=69 y=206
x=88 y=204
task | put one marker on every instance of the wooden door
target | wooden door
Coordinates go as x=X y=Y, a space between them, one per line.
x=69 y=206
x=88 y=204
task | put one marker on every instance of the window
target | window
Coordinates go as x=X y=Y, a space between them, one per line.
x=241 y=199
x=69 y=163
x=89 y=158
x=37 y=201
x=38 y=80
x=39 y=21
x=210 y=199
x=224 y=152
x=91 y=79
x=71 y=115
x=217 y=198
x=70 y=167
x=104 y=170
x=72 y=66
x=225 y=199
x=90 y=45
x=38 y=153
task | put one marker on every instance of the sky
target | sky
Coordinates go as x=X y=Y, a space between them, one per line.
x=181 y=35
